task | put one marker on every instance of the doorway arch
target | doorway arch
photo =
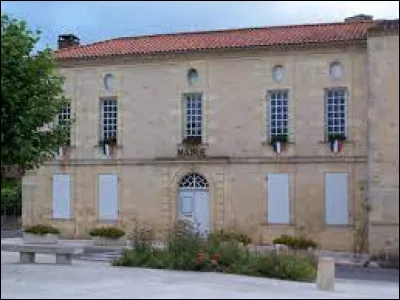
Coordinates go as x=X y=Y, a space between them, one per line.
x=194 y=202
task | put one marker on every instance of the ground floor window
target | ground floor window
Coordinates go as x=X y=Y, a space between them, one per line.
x=278 y=202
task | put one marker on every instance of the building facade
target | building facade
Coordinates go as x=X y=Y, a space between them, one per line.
x=267 y=131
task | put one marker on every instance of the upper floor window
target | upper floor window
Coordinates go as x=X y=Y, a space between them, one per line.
x=193 y=76
x=109 y=82
x=278 y=73
x=335 y=70
x=278 y=112
x=193 y=120
x=336 y=111
x=109 y=120
x=64 y=116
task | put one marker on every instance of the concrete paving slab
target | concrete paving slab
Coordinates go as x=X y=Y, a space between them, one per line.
x=87 y=280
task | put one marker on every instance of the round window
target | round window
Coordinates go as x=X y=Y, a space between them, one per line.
x=336 y=70
x=109 y=82
x=193 y=76
x=278 y=73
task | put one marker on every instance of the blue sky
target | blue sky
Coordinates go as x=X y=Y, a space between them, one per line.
x=100 y=20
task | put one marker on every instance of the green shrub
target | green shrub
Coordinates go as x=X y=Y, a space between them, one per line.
x=231 y=236
x=107 y=232
x=290 y=267
x=41 y=229
x=142 y=237
x=11 y=197
x=295 y=242
x=185 y=250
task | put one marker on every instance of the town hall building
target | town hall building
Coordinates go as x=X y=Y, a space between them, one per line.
x=266 y=131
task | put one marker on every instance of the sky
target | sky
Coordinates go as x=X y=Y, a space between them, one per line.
x=101 y=20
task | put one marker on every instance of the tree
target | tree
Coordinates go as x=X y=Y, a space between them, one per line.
x=31 y=97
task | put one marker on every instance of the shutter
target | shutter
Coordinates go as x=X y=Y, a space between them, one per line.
x=61 y=196
x=336 y=199
x=108 y=197
x=278 y=199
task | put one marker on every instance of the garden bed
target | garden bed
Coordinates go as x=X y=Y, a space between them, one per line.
x=40 y=234
x=186 y=251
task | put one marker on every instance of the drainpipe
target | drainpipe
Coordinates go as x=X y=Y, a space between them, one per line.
x=368 y=142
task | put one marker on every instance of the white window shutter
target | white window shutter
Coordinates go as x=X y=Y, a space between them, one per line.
x=278 y=198
x=108 y=197
x=61 y=196
x=336 y=199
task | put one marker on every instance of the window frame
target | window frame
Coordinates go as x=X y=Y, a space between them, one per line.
x=185 y=116
x=63 y=117
x=269 y=113
x=114 y=133
x=326 y=112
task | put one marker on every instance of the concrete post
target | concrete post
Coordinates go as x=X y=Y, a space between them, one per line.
x=326 y=274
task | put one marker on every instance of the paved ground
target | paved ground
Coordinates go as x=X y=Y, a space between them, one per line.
x=360 y=273
x=10 y=233
x=86 y=279
x=101 y=254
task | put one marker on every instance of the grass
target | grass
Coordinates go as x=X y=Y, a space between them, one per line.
x=107 y=232
x=41 y=230
x=187 y=251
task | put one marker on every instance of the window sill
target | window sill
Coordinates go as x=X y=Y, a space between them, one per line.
x=268 y=143
x=62 y=219
x=192 y=145
x=346 y=142
x=116 y=147
x=277 y=224
x=116 y=221
x=337 y=226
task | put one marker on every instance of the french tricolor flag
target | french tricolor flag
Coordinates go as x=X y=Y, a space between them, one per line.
x=277 y=147
x=336 y=145
x=107 y=150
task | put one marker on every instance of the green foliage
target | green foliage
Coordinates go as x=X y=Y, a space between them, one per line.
x=283 y=138
x=295 y=242
x=231 y=236
x=107 y=232
x=336 y=136
x=31 y=97
x=41 y=229
x=185 y=250
x=10 y=196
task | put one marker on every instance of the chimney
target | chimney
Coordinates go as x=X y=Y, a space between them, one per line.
x=67 y=40
x=357 y=18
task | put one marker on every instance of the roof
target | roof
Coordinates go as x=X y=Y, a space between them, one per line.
x=221 y=39
x=386 y=25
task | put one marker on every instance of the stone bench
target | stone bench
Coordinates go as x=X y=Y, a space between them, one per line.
x=27 y=252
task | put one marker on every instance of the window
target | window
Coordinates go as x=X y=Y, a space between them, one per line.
x=193 y=76
x=278 y=198
x=109 y=119
x=336 y=110
x=109 y=82
x=64 y=116
x=278 y=113
x=336 y=199
x=335 y=70
x=61 y=196
x=278 y=73
x=108 y=197
x=193 y=116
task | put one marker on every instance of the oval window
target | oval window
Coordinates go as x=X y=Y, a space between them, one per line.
x=336 y=70
x=193 y=76
x=109 y=82
x=278 y=73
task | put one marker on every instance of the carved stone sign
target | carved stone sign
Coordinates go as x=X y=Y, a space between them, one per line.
x=192 y=153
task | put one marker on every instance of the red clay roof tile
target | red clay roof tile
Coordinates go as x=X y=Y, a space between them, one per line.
x=207 y=40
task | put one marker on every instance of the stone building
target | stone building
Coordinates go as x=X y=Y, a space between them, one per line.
x=267 y=131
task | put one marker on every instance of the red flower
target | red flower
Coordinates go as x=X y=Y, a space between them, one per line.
x=200 y=257
x=214 y=259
